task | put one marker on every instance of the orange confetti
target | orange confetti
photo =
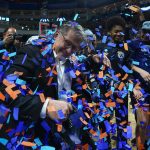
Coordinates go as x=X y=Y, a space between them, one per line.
x=30 y=92
x=42 y=97
x=55 y=72
x=48 y=69
x=123 y=123
x=12 y=94
x=77 y=72
x=87 y=115
x=118 y=75
x=83 y=121
x=108 y=93
x=49 y=81
x=74 y=97
x=111 y=104
x=101 y=74
x=2 y=97
x=110 y=100
x=6 y=82
x=59 y=127
x=85 y=147
x=84 y=86
x=126 y=46
x=90 y=104
x=83 y=100
x=93 y=132
x=1 y=125
x=120 y=101
x=107 y=115
x=137 y=87
x=96 y=110
x=103 y=135
x=18 y=73
x=130 y=81
x=148 y=112
x=125 y=77
x=5 y=57
x=24 y=87
x=29 y=144
x=139 y=144
x=121 y=86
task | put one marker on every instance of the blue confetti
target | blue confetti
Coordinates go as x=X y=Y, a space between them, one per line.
x=111 y=44
x=38 y=142
x=11 y=77
x=130 y=87
x=75 y=17
x=126 y=69
x=135 y=63
x=16 y=113
x=12 y=54
x=104 y=39
x=60 y=114
x=20 y=82
x=1 y=68
x=80 y=104
x=2 y=50
x=72 y=74
x=47 y=148
x=134 y=31
x=20 y=127
x=129 y=132
x=14 y=140
x=107 y=125
x=102 y=145
x=24 y=58
x=45 y=126
x=47 y=50
x=3 y=141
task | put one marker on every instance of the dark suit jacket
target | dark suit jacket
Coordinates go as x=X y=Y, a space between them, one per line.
x=36 y=74
x=38 y=71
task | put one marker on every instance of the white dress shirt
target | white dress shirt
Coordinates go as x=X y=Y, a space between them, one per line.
x=64 y=82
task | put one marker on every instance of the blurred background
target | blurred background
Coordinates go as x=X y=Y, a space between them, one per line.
x=25 y=15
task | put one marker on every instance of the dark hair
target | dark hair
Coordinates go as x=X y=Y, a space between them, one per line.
x=114 y=21
x=6 y=29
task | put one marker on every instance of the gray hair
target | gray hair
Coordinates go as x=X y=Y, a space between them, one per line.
x=76 y=28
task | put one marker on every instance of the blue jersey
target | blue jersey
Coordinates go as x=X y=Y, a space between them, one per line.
x=141 y=55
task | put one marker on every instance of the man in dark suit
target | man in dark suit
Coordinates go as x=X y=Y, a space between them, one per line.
x=35 y=81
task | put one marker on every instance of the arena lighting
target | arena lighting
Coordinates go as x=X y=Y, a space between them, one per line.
x=4 y=19
x=7 y=19
x=128 y=15
x=145 y=8
x=44 y=20
x=61 y=19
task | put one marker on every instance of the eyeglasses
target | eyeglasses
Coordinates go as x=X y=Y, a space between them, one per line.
x=68 y=43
